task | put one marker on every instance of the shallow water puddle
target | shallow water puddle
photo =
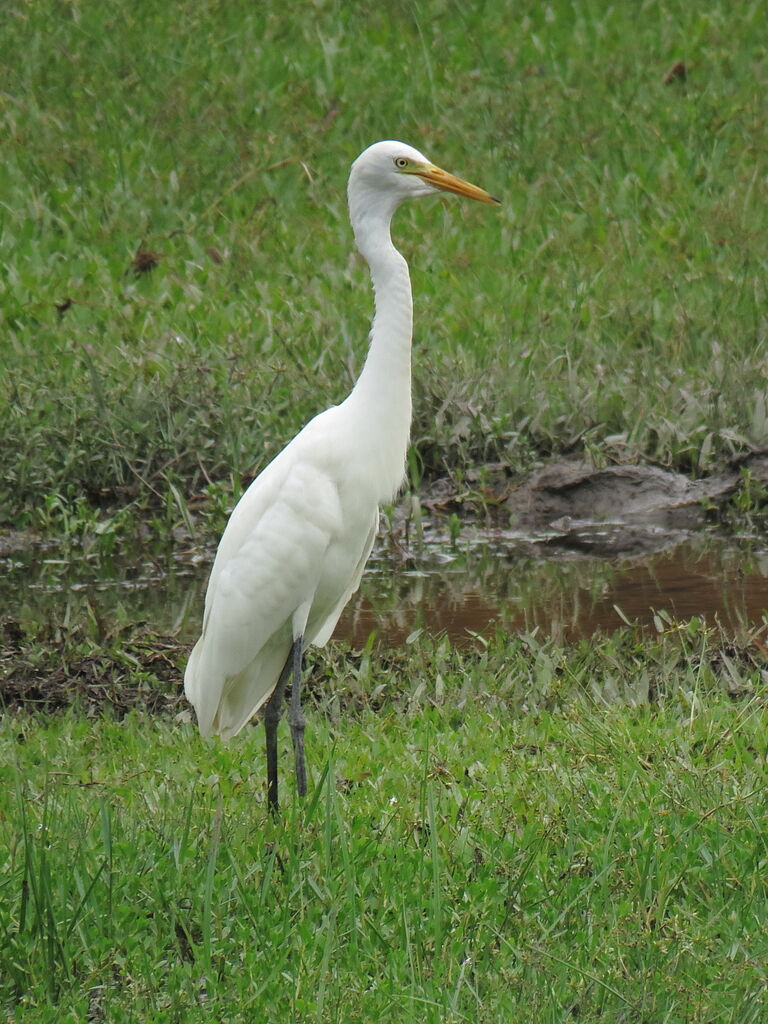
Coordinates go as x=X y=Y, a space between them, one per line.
x=569 y=597
x=488 y=579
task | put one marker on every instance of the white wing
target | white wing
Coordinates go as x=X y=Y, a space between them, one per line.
x=326 y=629
x=299 y=537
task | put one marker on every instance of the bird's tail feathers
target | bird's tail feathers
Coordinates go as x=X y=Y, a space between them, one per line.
x=224 y=705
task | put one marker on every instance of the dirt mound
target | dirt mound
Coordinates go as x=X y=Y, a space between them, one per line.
x=621 y=510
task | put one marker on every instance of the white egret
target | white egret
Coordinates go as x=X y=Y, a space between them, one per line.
x=294 y=549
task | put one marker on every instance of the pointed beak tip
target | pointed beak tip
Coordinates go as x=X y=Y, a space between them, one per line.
x=445 y=182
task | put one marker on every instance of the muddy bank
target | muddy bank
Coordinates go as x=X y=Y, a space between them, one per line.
x=142 y=672
x=569 y=550
x=621 y=510
x=134 y=669
x=616 y=511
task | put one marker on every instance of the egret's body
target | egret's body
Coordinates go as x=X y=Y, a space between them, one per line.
x=296 y=544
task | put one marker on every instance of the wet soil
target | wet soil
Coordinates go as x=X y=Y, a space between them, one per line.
x=583 y=550
x=51 y=670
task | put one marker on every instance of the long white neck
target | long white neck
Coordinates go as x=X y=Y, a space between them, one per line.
x=382 y=394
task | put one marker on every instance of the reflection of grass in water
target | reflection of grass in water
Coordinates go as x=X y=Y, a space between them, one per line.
x=485 y=572
x=516 y=588
x=553 y=591
x=40 y=587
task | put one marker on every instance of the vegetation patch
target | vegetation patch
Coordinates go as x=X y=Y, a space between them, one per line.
x=132 y=669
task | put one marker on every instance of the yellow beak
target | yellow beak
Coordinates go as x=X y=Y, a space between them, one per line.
x=441 y=179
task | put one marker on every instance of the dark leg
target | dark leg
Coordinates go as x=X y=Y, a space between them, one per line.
x=272 y=713
x=297 y=720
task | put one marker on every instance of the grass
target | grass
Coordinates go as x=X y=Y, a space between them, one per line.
x=594 y=861
x=614 y=305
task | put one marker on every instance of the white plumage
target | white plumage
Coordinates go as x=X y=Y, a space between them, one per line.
x=296 y=544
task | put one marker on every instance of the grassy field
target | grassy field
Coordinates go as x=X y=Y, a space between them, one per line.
x=487 y=838
x=521 y=831
x=615 y=304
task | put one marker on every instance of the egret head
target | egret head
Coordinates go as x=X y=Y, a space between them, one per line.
x=388 y=172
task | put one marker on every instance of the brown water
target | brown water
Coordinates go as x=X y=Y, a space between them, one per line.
x=569 y=598
x=490 y=579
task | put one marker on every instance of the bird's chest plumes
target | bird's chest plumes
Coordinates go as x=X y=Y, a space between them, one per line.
x=375 y=465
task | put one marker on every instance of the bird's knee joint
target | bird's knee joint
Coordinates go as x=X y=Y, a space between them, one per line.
x=272 y=713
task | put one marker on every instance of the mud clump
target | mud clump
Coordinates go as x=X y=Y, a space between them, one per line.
x=621 y=510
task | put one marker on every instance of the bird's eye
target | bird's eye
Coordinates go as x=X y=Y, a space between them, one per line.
x=401 y=162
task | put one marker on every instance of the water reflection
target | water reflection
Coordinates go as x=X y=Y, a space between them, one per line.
x=487 y=579
x=564 y=597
